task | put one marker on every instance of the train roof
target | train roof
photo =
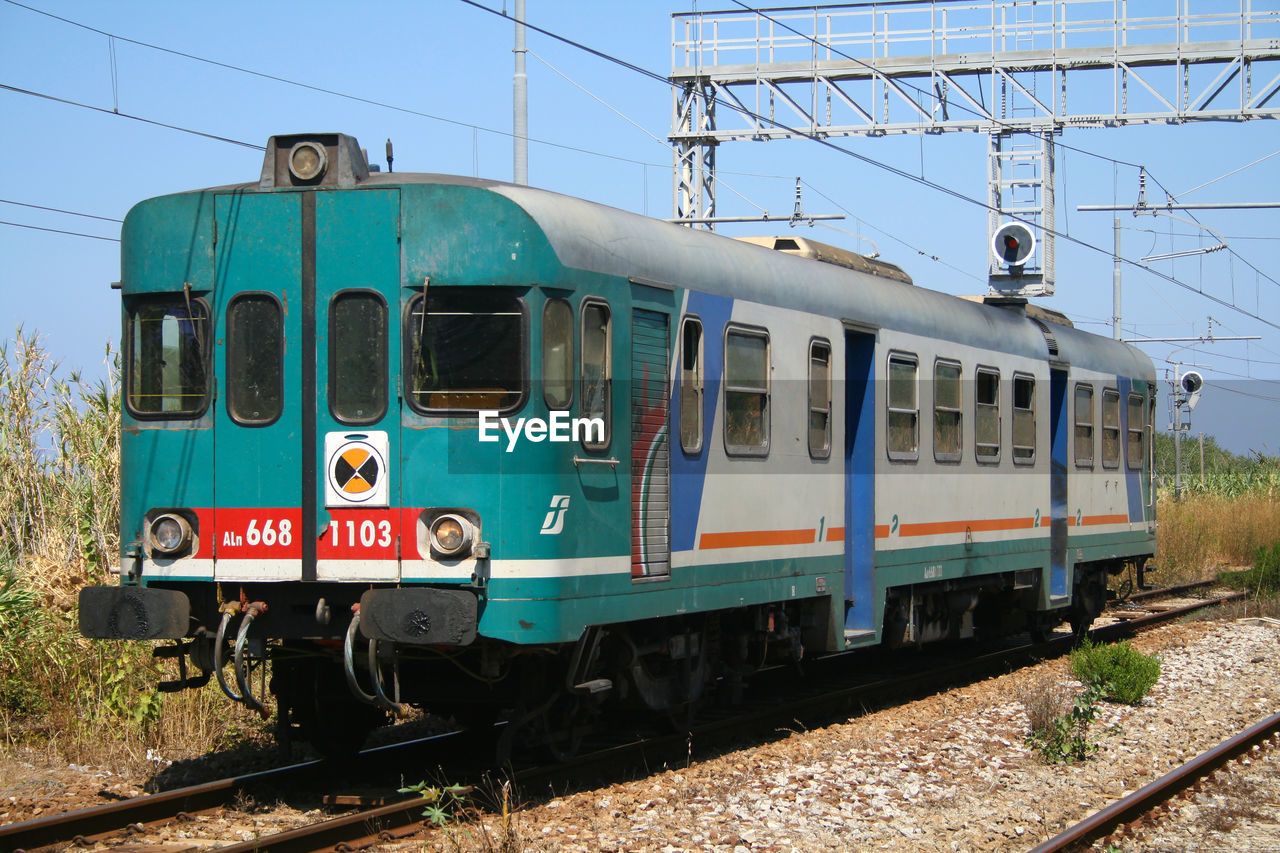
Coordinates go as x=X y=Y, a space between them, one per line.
x=590 y=236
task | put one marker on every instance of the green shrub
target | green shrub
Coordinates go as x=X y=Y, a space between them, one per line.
x=1116 y=671
x=1065 y=738
x=1263 y=580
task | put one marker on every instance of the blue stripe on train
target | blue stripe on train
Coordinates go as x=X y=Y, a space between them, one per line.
x=688 y=472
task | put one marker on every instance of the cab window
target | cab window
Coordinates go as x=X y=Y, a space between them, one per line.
x=597 y=373
x=358 y=357
x=167 y=356
x=557 y=354
x=255 y=359
x=466 y=350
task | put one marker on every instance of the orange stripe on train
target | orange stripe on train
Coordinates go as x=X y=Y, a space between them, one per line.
x=756 y=538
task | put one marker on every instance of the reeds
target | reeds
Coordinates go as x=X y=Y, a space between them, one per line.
x=1204 y=533
x=81 y=700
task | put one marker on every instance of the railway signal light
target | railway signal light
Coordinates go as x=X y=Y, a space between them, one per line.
x=1013 y=244
x=1191 y=383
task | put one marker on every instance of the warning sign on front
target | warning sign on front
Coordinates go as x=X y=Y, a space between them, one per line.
x=356 y=471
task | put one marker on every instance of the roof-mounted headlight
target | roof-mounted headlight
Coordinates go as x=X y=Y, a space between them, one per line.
x=451 y=536
x=169 y=534
x=307 y=161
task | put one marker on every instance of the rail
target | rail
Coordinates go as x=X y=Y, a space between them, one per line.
x=392 y=820
x=1148 y=797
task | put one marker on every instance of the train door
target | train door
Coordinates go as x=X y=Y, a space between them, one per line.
x=1059 y=439
x=650 y=445
x=357 y=412
x=258 y=439
x=305 y=428
x=859 y=491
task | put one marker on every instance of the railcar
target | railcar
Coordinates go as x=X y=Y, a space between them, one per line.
x=486 y=450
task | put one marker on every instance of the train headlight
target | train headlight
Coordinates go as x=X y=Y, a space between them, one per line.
x=451 y=536
x=307 y=161
x=170 y=533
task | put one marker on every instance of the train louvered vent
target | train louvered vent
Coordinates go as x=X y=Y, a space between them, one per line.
x=1048 y=338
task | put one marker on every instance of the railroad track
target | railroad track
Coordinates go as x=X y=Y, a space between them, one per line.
x=1145 y=799
x=818 y=704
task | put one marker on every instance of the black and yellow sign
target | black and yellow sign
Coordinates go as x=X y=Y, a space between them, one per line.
x=356 y=469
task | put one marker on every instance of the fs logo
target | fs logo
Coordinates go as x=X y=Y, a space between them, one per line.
x=554 y=522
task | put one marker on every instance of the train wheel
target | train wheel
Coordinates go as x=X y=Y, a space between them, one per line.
x=564 y=726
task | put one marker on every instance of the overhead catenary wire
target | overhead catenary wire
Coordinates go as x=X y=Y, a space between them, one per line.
x=894 y=170
x=649 y=74
x=106 y=111
x=311 y=87
x=59 y=210
x=419 y=113
x=59 y=231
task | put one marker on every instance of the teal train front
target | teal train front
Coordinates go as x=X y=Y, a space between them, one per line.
x=422 y=440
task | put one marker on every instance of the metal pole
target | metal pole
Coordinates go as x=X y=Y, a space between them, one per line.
x=1115 y=286
x=520 y=170
x=1201 y=459
x=1177 y=450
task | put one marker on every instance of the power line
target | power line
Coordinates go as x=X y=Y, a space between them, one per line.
x=1229 y=174
x=894 y=170
x=59 y=231
x=213 y=136
x=59 y=210
x=1219 y=387
x=893 y=237
x=630 y=66
x=320 y=89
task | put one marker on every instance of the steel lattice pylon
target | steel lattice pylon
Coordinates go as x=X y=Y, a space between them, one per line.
x=999 y=67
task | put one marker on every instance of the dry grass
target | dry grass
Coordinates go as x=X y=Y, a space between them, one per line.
x=1201 y=535
x=1045 y=699
x=89 y=702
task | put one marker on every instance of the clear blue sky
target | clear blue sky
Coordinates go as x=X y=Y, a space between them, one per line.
x=451 y=61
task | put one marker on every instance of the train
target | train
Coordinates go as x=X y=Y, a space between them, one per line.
x=418 y=441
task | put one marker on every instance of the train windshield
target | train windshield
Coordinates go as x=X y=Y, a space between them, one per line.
x=166 y=373
x=466 y=350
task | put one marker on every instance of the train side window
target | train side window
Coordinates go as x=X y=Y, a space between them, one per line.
x=947 y=413
x=1024 y=419
x=358 y=357
x=1136 y=450
x=746 y=392
x=167 y=357
x=904 y=408
x=1084 y=426
x=986 y=415
x=466 y=350
x=819 y=399
x=557 y=354
x=255 y=359
x=691 y=385
x=1110 y=428
x=597 y=373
